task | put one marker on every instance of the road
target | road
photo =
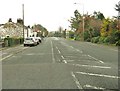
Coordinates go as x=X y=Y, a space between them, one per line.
x=62 y=64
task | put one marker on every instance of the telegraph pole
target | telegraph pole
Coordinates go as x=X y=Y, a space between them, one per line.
x=23 y=18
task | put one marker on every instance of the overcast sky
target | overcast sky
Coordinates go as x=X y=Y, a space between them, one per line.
x=52 y=13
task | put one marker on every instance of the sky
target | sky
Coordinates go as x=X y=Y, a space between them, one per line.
x=53 y=13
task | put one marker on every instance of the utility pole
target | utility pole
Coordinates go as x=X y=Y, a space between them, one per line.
x=118 y=15
x=23 y=18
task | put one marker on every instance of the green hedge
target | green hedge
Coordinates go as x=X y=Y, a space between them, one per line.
x=13 y=41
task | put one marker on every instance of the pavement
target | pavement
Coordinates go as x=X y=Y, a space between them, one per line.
x=61 y=64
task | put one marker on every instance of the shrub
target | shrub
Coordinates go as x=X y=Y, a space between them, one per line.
x=117 y=43
x=13 y=41
x=107 y=39
x=95 y=39
x=101 y=39
x=112 y=40
x=77 y=37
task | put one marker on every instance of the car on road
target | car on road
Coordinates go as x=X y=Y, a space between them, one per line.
x=30 y=41
x=38 y=39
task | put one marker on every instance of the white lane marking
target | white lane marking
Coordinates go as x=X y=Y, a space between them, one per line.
x=62 y=57
x=76 y=81
x=65 y=61
x=59 y=52
x=79 y=51
x=92 y=87
x=100 y=75
x=34 y=54
x=6 y=57
x=70 y=60
x=95 y=59
x=53 y=58
x=92 y=66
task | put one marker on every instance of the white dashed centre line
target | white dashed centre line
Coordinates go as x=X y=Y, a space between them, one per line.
x=53 y=58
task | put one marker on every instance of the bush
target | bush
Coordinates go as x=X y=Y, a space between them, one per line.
x=95 y=39
x=77 y=38
x=86 y=35
x=112 y=40
x=101 y=39
x=107 y=39
x=117 y=43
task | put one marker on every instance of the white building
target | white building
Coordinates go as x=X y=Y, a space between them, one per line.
x=12 y=29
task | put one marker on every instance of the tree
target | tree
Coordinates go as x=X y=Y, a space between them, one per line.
x=75 y=21
x=41 y=31
x=117 y=7
x=98 y=15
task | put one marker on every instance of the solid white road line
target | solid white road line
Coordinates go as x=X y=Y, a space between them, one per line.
x=95 y=59
x=76 y=81
x=92 y=87
x=100 y=75
x=93 y=66
x=53 y=58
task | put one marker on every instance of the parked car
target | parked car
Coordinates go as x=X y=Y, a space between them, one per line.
x=38 y=39
x=30 y=41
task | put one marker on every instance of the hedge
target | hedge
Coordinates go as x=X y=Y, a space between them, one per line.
x=13 y=41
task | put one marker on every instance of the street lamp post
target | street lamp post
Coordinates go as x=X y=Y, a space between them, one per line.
x=83 y=22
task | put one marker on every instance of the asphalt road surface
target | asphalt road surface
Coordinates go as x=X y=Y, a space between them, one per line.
x=62 y=64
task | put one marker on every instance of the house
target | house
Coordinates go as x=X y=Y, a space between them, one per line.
x=12 y=29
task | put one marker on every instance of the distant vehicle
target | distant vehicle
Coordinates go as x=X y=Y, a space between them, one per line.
x=30 y=41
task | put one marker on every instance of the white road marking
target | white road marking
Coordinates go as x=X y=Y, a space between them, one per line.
x=35 y=54
x=6 y=57
x=92 y=87
x=96 y=59
x=59 y=52
x=53 y=58
x=79 y=51
x=65 y=61
x=76 y=81
x=100 y=75
x=92 y=66
x=62 y=57
x=30 y=54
